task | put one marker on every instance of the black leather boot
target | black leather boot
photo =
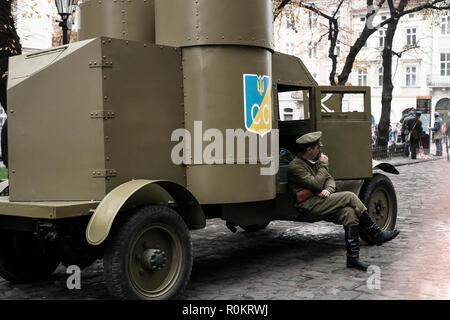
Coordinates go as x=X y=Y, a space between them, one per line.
x=352 y=246
x=374 y=232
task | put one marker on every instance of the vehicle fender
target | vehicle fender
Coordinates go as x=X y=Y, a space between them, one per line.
x=137 y=193
x=349 y=185
x=384 y=166
x=356 y=185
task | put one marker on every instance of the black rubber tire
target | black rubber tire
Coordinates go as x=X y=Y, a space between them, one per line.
x=255 y=227
x=81 y=263
x=73 y=252
x=381 y=183
x=119 y=247
x=23 y=259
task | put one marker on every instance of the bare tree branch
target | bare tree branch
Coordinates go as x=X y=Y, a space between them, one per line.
x=333 y=37
x=280 y=7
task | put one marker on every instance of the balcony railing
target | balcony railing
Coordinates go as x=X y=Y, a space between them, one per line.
x=436 y=80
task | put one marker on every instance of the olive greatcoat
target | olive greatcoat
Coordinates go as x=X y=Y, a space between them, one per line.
x=337 y=208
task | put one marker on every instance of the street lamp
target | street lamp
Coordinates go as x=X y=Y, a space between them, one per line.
x=65 y=8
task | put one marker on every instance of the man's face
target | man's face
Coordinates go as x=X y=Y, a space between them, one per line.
x=314 y=152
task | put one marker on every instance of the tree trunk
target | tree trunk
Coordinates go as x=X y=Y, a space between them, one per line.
x=334 y=32
x=351 y=57
x=388 y=86
x=9 y=45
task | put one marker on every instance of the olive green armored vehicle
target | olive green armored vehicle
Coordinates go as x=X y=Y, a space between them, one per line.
x=166 y=113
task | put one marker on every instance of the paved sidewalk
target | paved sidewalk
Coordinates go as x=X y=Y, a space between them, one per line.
x=402 y=161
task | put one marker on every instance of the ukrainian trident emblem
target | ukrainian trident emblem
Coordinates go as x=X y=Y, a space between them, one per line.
x=258 y=104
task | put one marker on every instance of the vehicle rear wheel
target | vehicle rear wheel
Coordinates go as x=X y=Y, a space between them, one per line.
x=149 y=255
x=255 y=227
x=23 y=258
x=77 y=251
x=378 y=195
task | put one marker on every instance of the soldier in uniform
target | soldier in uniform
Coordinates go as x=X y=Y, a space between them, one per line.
x=414 y=125
x=317 y=200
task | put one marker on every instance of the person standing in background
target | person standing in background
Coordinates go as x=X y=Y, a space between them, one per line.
x=437 y=133
x=447 y=134
x=406 y=132
x=414 y=126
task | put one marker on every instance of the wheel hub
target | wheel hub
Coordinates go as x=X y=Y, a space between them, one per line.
x=154 y=259
x=379 y=208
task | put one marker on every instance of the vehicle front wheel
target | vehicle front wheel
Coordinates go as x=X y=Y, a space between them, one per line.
x=378 y=195
x=148 y=255
x=23 y=258
x=77 y=251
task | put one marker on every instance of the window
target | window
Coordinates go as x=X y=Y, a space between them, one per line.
x=352 y=102
x=289 y=24
x=445 y=25
x=288 y=114
x=382 y=36
x=383 y=18
x=380 y=76
x=337 y=49
x=334 y=103
x=291 y=105
x=411 y=76
x=411 y=36
x=289 y=48
x=362 y=19
x=338 y=18
x=411 y=15
x=313 y=19
x=362 y=77
x=445 y=64
x=312 y=50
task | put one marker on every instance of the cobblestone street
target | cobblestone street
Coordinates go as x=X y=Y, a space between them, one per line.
x=294 y=261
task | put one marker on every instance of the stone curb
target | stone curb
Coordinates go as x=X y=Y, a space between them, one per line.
x=413 y=162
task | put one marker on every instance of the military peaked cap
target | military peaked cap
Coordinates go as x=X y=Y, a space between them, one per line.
x=310 y=138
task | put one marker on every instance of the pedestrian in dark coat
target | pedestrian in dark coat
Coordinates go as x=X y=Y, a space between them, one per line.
x=405 y=130
x=414 y=126
x=447 y=130
x=314 y=189
x=437 y=134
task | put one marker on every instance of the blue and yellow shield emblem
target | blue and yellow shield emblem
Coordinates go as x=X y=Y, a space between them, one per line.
x=258 y=104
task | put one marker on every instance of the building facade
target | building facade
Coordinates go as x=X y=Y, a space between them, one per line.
x=421 y=71
x=34 y=24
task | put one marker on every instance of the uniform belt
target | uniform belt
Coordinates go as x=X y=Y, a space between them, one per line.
x=303 y=195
